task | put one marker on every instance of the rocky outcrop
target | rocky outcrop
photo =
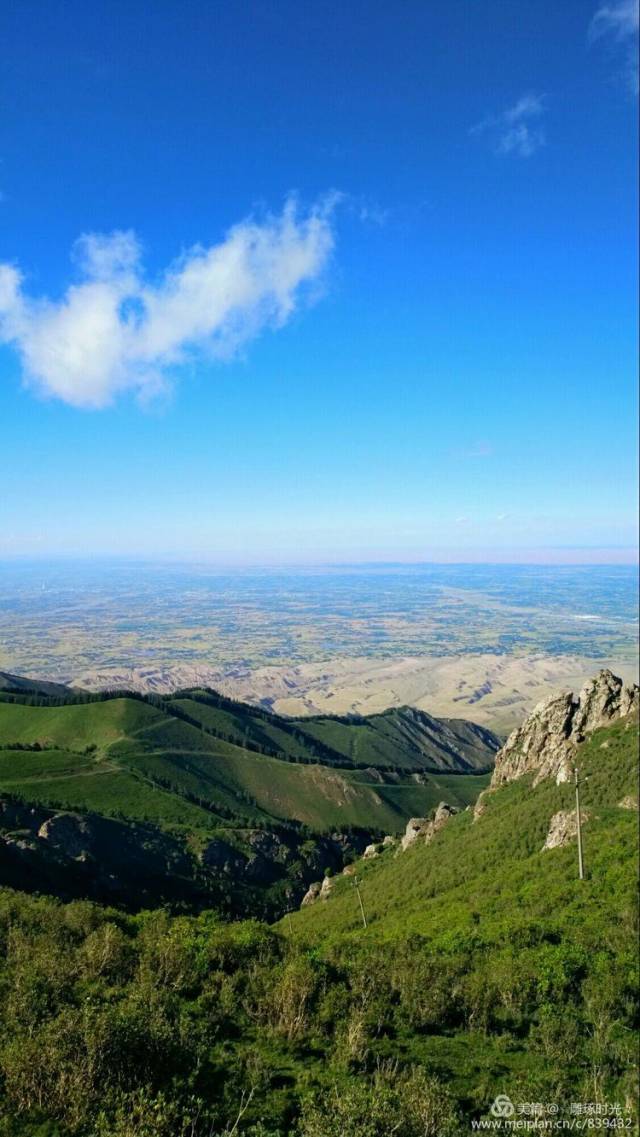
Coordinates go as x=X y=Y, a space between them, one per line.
x=327 y=885
x=15 y=815
x=73 y=855
x=388 y=840
x=542 y=745
x=265 y=857
x=545 y=743
x=628 y=802
x=481 y=804
x=69 y=833
x=415 y=826
x=427 y=827
x=78 y=853
x=563 y=828
x=370 y=851
x=22 y=843
x=602 y=700
x=319 y=890
x=312 y=894
x=270 y=846
x=443 y=813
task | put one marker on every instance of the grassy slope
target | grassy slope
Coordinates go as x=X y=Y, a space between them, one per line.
x=405 y=738
x=103 y=781
x=241 y=725
x=74 y=727
x=505 y=937
x=151 y=766
x=476 y=876
x=70 y=781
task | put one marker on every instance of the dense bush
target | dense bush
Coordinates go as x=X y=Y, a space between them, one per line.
x=159 y=1026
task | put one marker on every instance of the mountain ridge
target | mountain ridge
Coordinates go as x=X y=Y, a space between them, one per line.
x=197 y=777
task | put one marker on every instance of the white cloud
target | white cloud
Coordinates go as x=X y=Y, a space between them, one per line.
x=619 y=20
x=518 y=129
x=115 y=331
x=617 y=24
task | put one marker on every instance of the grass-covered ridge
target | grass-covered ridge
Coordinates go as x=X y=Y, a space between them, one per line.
x=193 y=761
x=408 y=738
x=193 y=784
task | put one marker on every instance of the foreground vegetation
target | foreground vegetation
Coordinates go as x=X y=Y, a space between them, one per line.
x=486 y=968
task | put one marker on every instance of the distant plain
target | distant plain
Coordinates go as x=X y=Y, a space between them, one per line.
x=483 y=642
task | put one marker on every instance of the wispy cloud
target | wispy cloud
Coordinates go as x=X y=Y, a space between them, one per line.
x=476 y=450
x=114 y=330
x=518 y=130
x=617 y=25
x=372 y=214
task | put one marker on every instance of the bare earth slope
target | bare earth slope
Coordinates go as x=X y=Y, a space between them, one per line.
x=493 y=690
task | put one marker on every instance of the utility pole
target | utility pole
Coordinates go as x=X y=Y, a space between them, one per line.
x=579 y=823
x=289 y=919
x=364 y=918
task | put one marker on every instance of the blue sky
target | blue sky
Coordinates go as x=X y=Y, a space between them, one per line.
x=319 y=282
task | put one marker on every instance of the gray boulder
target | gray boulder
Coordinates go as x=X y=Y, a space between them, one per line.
x=563 y=828
x=443 y=813
x=312 y=893
x=415 y=826
x=327 y=885
x=427 y=827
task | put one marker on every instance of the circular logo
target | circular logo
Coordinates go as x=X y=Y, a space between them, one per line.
x=503 y=1107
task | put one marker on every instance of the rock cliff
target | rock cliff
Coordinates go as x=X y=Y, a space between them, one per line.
x=544 y=743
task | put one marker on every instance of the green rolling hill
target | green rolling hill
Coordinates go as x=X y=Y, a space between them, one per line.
x=211 y=774
x=189 y=763
x=407 y=738
x=403 y=738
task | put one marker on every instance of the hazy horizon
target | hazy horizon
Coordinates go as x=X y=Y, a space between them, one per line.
x=596 y=557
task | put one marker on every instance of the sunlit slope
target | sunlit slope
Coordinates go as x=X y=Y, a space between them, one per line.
x=248 y=726
x=125 y=756
x=407 y=738
x=76 y=726
x=479 y=882
x=403 y=738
